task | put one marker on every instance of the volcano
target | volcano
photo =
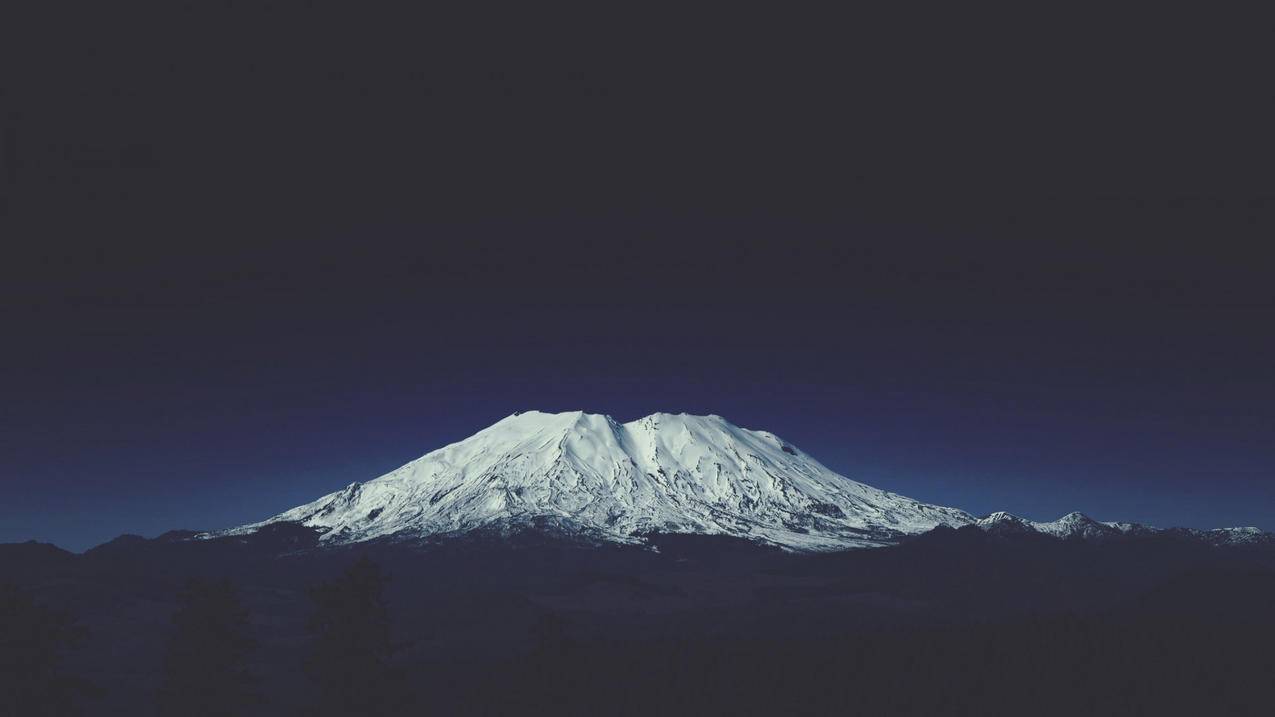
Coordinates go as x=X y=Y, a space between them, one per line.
x=590 y=476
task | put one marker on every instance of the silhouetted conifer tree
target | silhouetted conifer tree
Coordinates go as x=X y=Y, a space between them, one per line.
x=350 y=659
x=205 y=668
x=33 y=640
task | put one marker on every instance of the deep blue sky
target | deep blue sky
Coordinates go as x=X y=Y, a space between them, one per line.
x=240 y=272
x=190 y=412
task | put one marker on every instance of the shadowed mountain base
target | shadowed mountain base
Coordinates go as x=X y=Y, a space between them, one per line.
x=952 y=622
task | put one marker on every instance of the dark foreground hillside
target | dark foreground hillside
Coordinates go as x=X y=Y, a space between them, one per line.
x=953 y=622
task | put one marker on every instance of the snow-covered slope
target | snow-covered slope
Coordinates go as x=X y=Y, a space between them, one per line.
x=587 y=474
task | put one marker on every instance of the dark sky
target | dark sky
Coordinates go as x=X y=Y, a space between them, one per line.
x=254 y=252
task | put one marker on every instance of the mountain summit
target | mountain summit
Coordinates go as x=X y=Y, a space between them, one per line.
x=588 y=475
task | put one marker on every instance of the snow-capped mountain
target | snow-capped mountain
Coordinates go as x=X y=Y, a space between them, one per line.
x=589 y=475
x=586 y=475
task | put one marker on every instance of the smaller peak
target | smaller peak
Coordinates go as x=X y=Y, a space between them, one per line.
x=1002 y=523
x=1077 y=525
x=1000 y=516
x=1075 y=516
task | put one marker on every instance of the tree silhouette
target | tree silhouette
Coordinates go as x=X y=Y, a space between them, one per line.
x=33 y=640
x=350 y=658
x=205 y=670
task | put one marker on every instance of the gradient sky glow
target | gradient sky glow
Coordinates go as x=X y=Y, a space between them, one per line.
x=975 y=267
x=205 y=413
